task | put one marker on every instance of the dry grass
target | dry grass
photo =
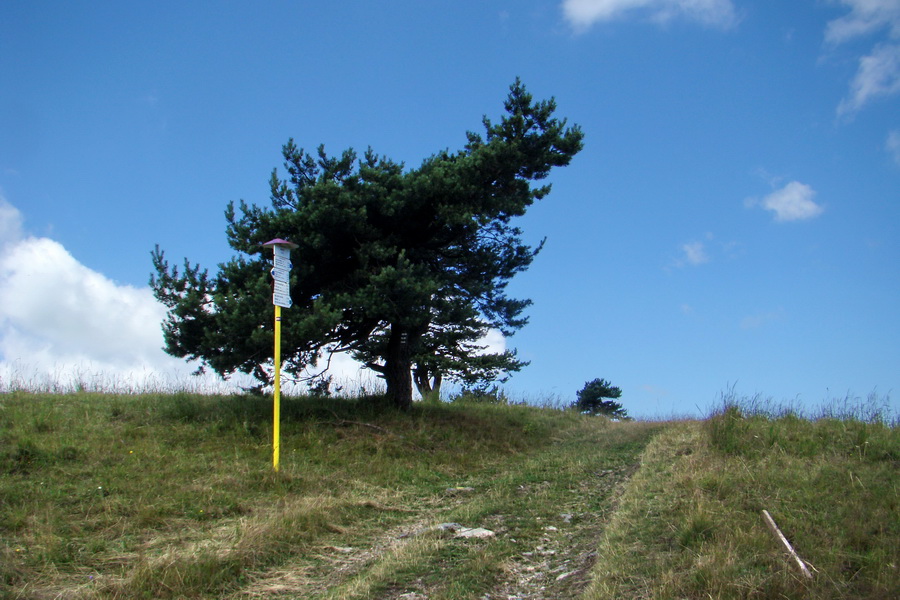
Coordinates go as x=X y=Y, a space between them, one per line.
x=690 y=525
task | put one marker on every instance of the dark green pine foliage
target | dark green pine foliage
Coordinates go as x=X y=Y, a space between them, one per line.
x=591 y=399
x=404 y=269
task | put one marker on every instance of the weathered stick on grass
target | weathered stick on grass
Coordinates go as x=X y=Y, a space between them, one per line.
x=790 y=549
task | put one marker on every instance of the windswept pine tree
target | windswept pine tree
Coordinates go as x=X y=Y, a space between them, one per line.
x=591 y=399
x=405 y=269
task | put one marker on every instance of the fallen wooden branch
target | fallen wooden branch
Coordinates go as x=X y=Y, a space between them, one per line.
x=790 y=549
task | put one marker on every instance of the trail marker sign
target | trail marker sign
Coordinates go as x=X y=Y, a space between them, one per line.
x=281 y=298
x=282 y=263
x=283 y=275
x=282 y=289
x=281 y=271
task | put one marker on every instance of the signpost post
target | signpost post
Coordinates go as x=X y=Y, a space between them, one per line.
x=281 y=297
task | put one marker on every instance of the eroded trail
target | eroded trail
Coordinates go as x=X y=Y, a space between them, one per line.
x=560 y=565
x=537 y=523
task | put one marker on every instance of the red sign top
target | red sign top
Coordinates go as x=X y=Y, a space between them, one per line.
x=280 y=242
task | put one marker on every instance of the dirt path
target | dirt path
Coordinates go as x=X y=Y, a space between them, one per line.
x=543 y=539
x=558 y=568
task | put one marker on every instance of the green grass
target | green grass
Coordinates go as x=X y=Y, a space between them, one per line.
x=108 y=496
x=690 y=522
x=173 y=495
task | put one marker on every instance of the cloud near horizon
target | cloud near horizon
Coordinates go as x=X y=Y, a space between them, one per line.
x=61 y=321
x=63 y=324
x=581 y=14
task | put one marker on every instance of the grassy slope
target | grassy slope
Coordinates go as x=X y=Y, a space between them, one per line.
x=110 y=496
x=105 y=496
x=690 y=523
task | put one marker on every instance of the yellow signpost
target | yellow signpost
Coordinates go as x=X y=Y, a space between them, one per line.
x=276 y=421
x=281 y=297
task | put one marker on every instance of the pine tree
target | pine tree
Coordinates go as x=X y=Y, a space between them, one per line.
x=404 y=269
x=591 y=399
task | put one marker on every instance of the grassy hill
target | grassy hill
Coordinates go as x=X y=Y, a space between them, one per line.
x=690 y=523
x=174 y=496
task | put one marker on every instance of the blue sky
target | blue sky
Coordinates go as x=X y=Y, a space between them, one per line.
x=731 y=221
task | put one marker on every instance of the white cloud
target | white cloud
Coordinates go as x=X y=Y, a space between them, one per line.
x=61 y=322
x=878 y=76
x=693 y=253
x=581 y=14
x=59 y=317
x=494 y=342
x=793 y=202
x=892 y=145
x=865 y=17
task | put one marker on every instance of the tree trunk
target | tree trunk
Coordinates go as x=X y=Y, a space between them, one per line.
x=398 y=369
x=429 y=388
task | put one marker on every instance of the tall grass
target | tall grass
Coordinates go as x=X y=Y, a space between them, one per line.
x=690 y=523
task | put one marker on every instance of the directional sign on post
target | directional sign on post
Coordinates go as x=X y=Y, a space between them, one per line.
x=282 y=263
x=282 y=288
x=281 y=298
x=281 y=273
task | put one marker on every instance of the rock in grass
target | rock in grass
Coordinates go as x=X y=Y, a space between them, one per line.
x=474 y=533
x=456 y=529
